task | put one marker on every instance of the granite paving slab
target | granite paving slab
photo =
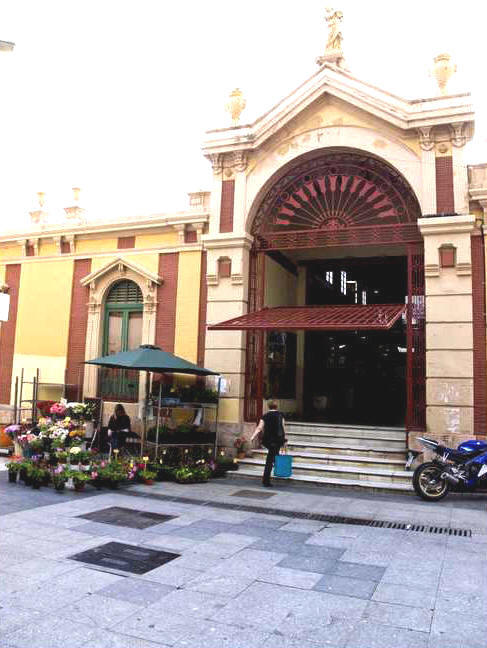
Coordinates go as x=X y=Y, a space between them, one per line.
x=376 y=635
x=400 y=616
x=334 y=584
x=135 y=590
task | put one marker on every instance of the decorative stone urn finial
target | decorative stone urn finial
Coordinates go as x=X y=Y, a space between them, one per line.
x=236 y=105
x=39 y=216
x=443 y=70
x=333 y=49
x=41 y=196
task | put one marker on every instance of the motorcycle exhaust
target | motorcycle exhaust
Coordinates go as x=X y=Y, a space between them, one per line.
x=450 y=478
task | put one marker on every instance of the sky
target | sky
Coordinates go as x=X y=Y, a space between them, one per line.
x=114 y=96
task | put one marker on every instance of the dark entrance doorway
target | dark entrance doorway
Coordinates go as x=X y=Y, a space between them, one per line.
x=357 y=377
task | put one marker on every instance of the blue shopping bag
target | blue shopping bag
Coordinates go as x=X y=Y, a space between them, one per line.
x=283 y=465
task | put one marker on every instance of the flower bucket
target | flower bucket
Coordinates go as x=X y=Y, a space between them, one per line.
x=12 y=477
x=79 y=486
x=59 y=486
x=148 y=482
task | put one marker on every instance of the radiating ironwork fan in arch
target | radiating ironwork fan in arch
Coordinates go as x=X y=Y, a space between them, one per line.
x=337 y=191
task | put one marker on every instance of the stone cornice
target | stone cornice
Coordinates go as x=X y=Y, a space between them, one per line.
x=152 y=222
x=219 y=241
x=446 y=224
x=402 y=113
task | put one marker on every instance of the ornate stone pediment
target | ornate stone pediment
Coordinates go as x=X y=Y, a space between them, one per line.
x=121 y=268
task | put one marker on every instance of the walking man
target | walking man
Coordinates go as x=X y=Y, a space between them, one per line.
x=273 y=438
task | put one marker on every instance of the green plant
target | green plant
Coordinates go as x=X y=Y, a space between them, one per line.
x=193 y=474
x=36 y=473
x=62 y=456
x=80 y=477
x=147 y=474
x=15 y=466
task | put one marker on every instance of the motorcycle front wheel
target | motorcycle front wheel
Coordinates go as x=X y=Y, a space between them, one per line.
x=428 y=483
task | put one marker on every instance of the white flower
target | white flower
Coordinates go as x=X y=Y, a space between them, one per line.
x=75 y=450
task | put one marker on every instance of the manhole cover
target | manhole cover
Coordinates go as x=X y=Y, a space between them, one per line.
x=253 y=494
x=125 y=557
x=125 y=517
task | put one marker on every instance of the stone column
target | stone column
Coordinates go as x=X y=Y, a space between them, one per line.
x=449 y=335
x=216 y=160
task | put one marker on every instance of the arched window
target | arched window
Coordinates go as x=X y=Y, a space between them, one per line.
x=122 y=331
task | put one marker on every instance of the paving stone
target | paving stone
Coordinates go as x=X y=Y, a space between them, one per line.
x=169 y=542
x=290 y=577
x=305 y=563
x=403 y=595
x=100 y=611
x=60 y=631
x=168 y=628
x=38 y=569
x=193 y=532
x=189 y=603
x=356 y=587
x=401 y=616
x=269 y=521
x=215 y=635
x=107 y=639
x=322 y=629
x=136 y=591
x=355 y=570
x=225 y=586
x=171 y=575
x=375 y=635
x=304 y=526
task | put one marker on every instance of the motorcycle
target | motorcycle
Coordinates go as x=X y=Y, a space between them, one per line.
x=463 y=470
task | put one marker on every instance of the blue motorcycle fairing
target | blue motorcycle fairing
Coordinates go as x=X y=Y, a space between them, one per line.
x=472 y=446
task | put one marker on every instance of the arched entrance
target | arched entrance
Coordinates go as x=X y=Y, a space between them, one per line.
x=336 y=205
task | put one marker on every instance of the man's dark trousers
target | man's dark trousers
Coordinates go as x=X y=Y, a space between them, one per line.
x=272 y=451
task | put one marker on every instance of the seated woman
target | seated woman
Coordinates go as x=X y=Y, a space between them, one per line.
x=118 y=427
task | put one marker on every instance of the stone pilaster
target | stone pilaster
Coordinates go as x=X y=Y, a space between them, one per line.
x=449 y=335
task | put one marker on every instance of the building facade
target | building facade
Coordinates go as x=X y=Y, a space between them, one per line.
x=338 y=265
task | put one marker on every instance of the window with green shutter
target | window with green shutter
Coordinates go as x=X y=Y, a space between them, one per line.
x=122 y=331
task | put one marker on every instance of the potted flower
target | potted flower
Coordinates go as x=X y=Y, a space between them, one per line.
x=240 y=443
x=14 y=467
x=147 y=476
x=74 y=457
x=80 y=479
x=113 y=473
x=37 y=475
x=62 y=457
x=59 y=478
x=58 y=410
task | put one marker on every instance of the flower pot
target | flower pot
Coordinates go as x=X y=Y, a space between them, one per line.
x=59 y=486
x=113 y=484
x=148 y=482
x=241 y=455
x=79 y=486
x=36 y=484
x=12 y=477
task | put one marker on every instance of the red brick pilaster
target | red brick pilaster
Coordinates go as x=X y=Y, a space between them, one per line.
x=202 y=314
x=226 y=208
x=78 y=323
x=479 y=333
x=7 y=333
x=166 y=298
x=445 y=202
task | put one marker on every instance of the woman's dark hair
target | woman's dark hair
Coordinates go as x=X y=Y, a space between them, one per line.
x=119 y=410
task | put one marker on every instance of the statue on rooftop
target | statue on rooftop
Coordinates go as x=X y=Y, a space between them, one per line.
x=333 y=50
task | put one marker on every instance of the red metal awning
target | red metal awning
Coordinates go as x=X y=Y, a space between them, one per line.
x=378 y=317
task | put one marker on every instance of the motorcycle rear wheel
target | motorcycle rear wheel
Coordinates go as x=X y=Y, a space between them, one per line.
x=428 y=483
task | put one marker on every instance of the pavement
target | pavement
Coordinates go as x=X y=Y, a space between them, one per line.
x=263 y=568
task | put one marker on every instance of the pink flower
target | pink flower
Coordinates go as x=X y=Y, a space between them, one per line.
x=94 y=475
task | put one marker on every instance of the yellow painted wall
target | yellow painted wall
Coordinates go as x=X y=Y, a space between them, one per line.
x=280 y=289
x=160 y=240
x=48 y=248
x=10 y=252
x=3 y=271
x=44 y=308
x=84 y=246
x=187 y=305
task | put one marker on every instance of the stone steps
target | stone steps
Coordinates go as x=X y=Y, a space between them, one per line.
x=338 y=459
x=342 y=455
x=313 y=480
x=341 y=472
x=345 y=448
